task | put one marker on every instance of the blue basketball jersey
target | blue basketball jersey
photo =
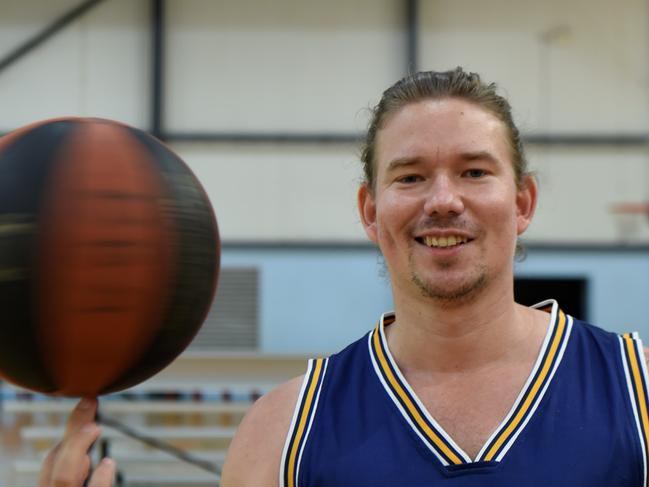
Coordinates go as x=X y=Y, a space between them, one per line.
x=580 y=420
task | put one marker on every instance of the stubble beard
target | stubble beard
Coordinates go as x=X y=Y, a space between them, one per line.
x=445 y=293
x=457 y=294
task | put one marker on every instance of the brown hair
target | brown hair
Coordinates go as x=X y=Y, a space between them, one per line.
x=431 y=85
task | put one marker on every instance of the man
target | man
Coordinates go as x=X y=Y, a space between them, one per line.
x=460 y=385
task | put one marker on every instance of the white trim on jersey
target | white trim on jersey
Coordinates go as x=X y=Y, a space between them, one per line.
x=296 y=413
x=530 y=377
x=398 y=404
x=643 y=369
x=415 y=398
x=539 y=397
x=632 y=398
x=314 y=409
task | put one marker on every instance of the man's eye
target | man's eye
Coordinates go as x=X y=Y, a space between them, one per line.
x=476 y=173
x=410 y=178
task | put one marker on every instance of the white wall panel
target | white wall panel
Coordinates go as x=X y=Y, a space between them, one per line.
x=96 y=66
x=117 y=59
x=578 y=66
x=22 y=19
x=308 y=193
x=281 y=65
x=568 y=66
x=578 y=188
x=280 y=193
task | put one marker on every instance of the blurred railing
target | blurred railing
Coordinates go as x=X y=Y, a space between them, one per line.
x=193 y=407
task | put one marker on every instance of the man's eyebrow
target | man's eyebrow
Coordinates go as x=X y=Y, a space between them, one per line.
x=401 y=162
x=478 y=156
x=468 y=156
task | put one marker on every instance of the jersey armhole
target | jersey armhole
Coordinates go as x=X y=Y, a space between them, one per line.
x=301 y=422
x=635 y=371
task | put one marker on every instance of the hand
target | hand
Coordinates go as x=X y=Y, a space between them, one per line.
x=68 y=464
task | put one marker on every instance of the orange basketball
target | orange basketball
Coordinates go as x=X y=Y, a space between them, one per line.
x=109 y=256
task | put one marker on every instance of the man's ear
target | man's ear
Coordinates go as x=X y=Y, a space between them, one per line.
x=526 y=200
x=367 y=211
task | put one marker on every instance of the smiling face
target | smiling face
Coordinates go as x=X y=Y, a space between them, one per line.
x=446 y=209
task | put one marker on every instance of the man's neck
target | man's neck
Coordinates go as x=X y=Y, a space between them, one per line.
x=430 y=337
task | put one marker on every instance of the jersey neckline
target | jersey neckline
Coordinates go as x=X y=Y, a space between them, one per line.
x=431 y=434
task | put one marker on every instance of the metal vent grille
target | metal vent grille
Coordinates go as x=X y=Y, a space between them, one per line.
x=232 y=323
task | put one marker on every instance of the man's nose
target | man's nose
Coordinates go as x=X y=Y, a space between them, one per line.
x=444 y=197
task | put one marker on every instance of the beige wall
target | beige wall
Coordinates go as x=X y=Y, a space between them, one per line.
x=97 y=66
x=308 y=66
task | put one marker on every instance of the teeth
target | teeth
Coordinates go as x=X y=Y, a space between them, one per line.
x=444 y=241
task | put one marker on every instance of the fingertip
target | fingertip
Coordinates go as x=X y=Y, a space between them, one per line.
x=87 y=403
x=107 y=463
x=104 y=473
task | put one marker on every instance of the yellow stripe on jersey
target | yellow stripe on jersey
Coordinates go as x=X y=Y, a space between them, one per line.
x=414 y=413
x=533 y=392
x=304 y=415
x=641 y=398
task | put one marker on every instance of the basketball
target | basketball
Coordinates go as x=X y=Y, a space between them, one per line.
x=109 y=256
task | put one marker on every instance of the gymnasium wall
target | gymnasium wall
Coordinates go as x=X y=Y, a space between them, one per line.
x=575 y=70
x=96 y=66
x=317 y=299
x=617 y=283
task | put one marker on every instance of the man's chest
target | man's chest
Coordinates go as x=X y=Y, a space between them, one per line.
x=469 y=409
x=567 y=422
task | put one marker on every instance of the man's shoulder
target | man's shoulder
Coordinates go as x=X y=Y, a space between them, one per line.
x=597 y=331
x=602 y=332
x=254 y=455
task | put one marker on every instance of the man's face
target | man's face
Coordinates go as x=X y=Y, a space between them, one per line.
x=446 y=210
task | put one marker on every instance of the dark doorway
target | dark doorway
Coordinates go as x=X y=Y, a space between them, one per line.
x=569 y=292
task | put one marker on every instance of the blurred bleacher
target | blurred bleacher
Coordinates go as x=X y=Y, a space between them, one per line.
x=195 y=405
